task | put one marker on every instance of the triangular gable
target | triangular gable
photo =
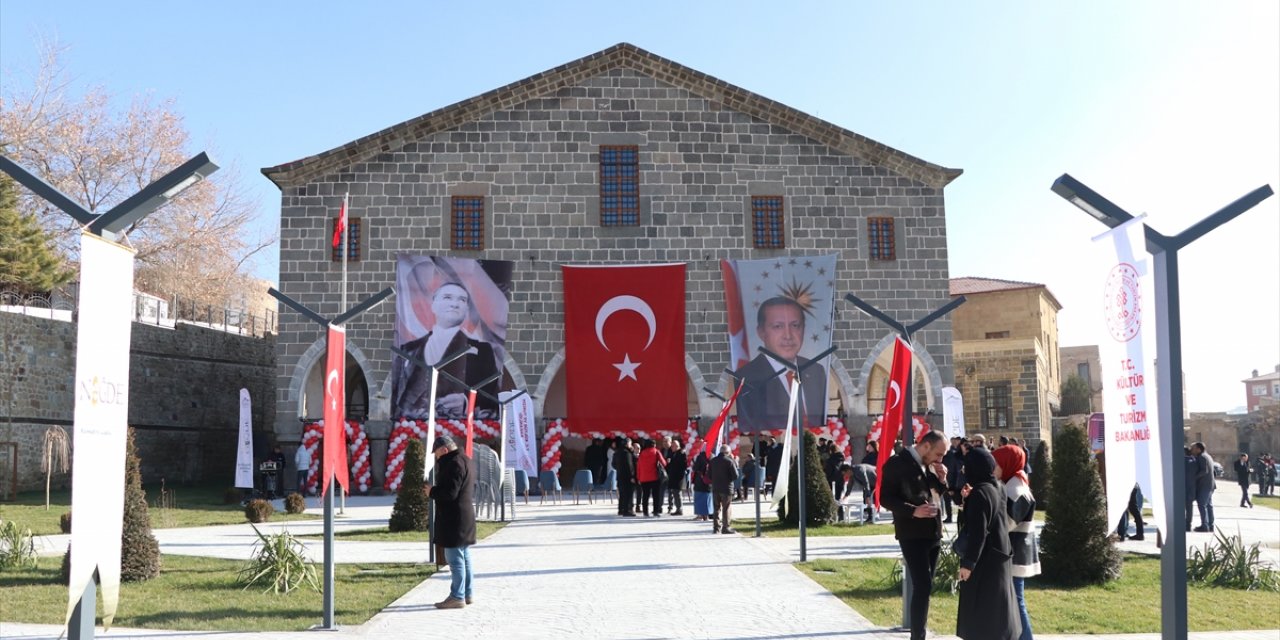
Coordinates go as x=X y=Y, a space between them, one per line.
x=626 y=56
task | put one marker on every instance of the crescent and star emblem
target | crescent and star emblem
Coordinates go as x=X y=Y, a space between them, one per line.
x=897 y=393
x=328 y=387
x=626 y=368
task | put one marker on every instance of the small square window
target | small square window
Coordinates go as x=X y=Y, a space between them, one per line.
x=354 y=229
x=619 y=186
x=880 y=237
x=767 y=229
x=466 y=223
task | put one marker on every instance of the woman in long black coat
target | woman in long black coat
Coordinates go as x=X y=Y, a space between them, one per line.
x=988 y=609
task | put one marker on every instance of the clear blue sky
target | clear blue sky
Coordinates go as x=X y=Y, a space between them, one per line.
x=1169 y=108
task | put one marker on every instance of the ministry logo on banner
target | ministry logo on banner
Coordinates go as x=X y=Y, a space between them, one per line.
x=1131 y=427
x=785 y=305
x=624 y=348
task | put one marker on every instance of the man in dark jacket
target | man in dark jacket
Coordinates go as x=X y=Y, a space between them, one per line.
x=1204 y=486
x=723 y=472
x=954 y=462
x=624 y=462
x=1189 y=468
x=909 y=484
x=455 y=524
x=1242 y=479
x=677 y=464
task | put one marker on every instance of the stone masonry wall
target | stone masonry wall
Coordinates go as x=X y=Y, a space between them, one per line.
x=538 y=166
x=183 y=395
x=1004 y=362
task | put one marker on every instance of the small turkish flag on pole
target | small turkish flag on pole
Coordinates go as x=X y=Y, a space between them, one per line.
x=894 y=405
x=471 y=421
x=335 y=410
x=624 y=348
x=341 y=224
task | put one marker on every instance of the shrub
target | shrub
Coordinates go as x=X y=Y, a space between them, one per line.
x=946 y=577
x=1228 y=563
x=819 y=504
x=258 y=510
x=17 y=546
x=66 y=566
x=1075 y=545
x=1041 y=471
x=295 y=503
x=410 y=512
x=232 y=495
x=64 y=522
x=280 y=561
x=139 y=550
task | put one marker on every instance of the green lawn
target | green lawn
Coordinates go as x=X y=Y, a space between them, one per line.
x=771 y=527
x=381 y=534
x=193 y=506
x=1128 y=605
x=202 y=594
x=1266 y=501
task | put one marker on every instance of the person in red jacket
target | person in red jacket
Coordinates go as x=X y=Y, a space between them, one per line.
x=650 y=478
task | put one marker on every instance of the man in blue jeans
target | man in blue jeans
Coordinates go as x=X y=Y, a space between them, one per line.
x=455 y=518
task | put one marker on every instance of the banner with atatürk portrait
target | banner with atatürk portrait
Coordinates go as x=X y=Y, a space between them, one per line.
x=785 y=305
x=445 y=306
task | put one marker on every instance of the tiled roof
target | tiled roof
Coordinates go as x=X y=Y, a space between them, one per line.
x=969 y=286
x=625 y=56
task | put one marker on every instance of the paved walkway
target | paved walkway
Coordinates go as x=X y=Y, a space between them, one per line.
x=580 y=572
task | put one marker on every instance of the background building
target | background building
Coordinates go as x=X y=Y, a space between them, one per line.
x=705 y=152
x=1262 y=390
x=1006 y=356
x=1084 y=362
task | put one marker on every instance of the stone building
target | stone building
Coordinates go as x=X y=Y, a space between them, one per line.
x=1262 y=390
x=531 y=152
x=1006 y=356
x=1085 y=362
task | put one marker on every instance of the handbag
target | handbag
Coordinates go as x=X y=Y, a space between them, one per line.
x=662 y=471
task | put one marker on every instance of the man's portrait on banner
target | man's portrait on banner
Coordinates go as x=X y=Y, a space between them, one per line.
x=443 y=306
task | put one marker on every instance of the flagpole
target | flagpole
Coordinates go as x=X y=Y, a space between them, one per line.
x=346 y=235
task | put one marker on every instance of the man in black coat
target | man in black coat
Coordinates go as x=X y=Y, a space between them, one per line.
x=624 y=462
x=455 y=524
x=594 y=459
x=1205 y=486
x=909 y=484
x=723 y=472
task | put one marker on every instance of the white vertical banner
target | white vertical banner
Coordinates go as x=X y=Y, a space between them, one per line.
x=781 y=484
x=101 y=419
x=952 y=412
x=520 y=443
x=430 y=462
x=244 y=445
x=1128 y=350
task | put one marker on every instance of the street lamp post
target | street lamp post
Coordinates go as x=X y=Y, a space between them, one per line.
x=109 y=226
x=1164 y=252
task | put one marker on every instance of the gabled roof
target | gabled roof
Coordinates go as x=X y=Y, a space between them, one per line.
x=1274 y=375
x=626 y=56
x=969 y=286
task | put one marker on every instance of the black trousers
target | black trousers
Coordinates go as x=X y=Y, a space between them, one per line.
x=674 y=498
x=921 y=557
x=625 y=493
x=651 y=490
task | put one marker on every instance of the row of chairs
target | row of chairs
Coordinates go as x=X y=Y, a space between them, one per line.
x=548 y=485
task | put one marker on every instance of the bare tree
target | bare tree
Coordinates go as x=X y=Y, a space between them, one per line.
x=196 y=248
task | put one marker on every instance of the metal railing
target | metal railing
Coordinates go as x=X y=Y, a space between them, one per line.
x=147 y=309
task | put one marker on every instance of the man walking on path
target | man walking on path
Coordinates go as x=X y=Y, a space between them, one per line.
x=1242 y=478
x=455 y=518
x=1204 y=486
x=910 y=484
x=723 y=472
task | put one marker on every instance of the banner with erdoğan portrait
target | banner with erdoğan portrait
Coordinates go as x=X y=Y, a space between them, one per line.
x=1128 y=350
x=244 y=444
x=443 y=306
x=624 y=348
x=520 y=437
x=785 y=305
x=101 y=417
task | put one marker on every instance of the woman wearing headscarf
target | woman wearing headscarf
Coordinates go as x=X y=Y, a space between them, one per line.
x=987 y=610
x=1019 y=502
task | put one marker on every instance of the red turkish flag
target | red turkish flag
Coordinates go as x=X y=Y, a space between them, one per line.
x=335 y=411
x=624 y=348
x=895 y=404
